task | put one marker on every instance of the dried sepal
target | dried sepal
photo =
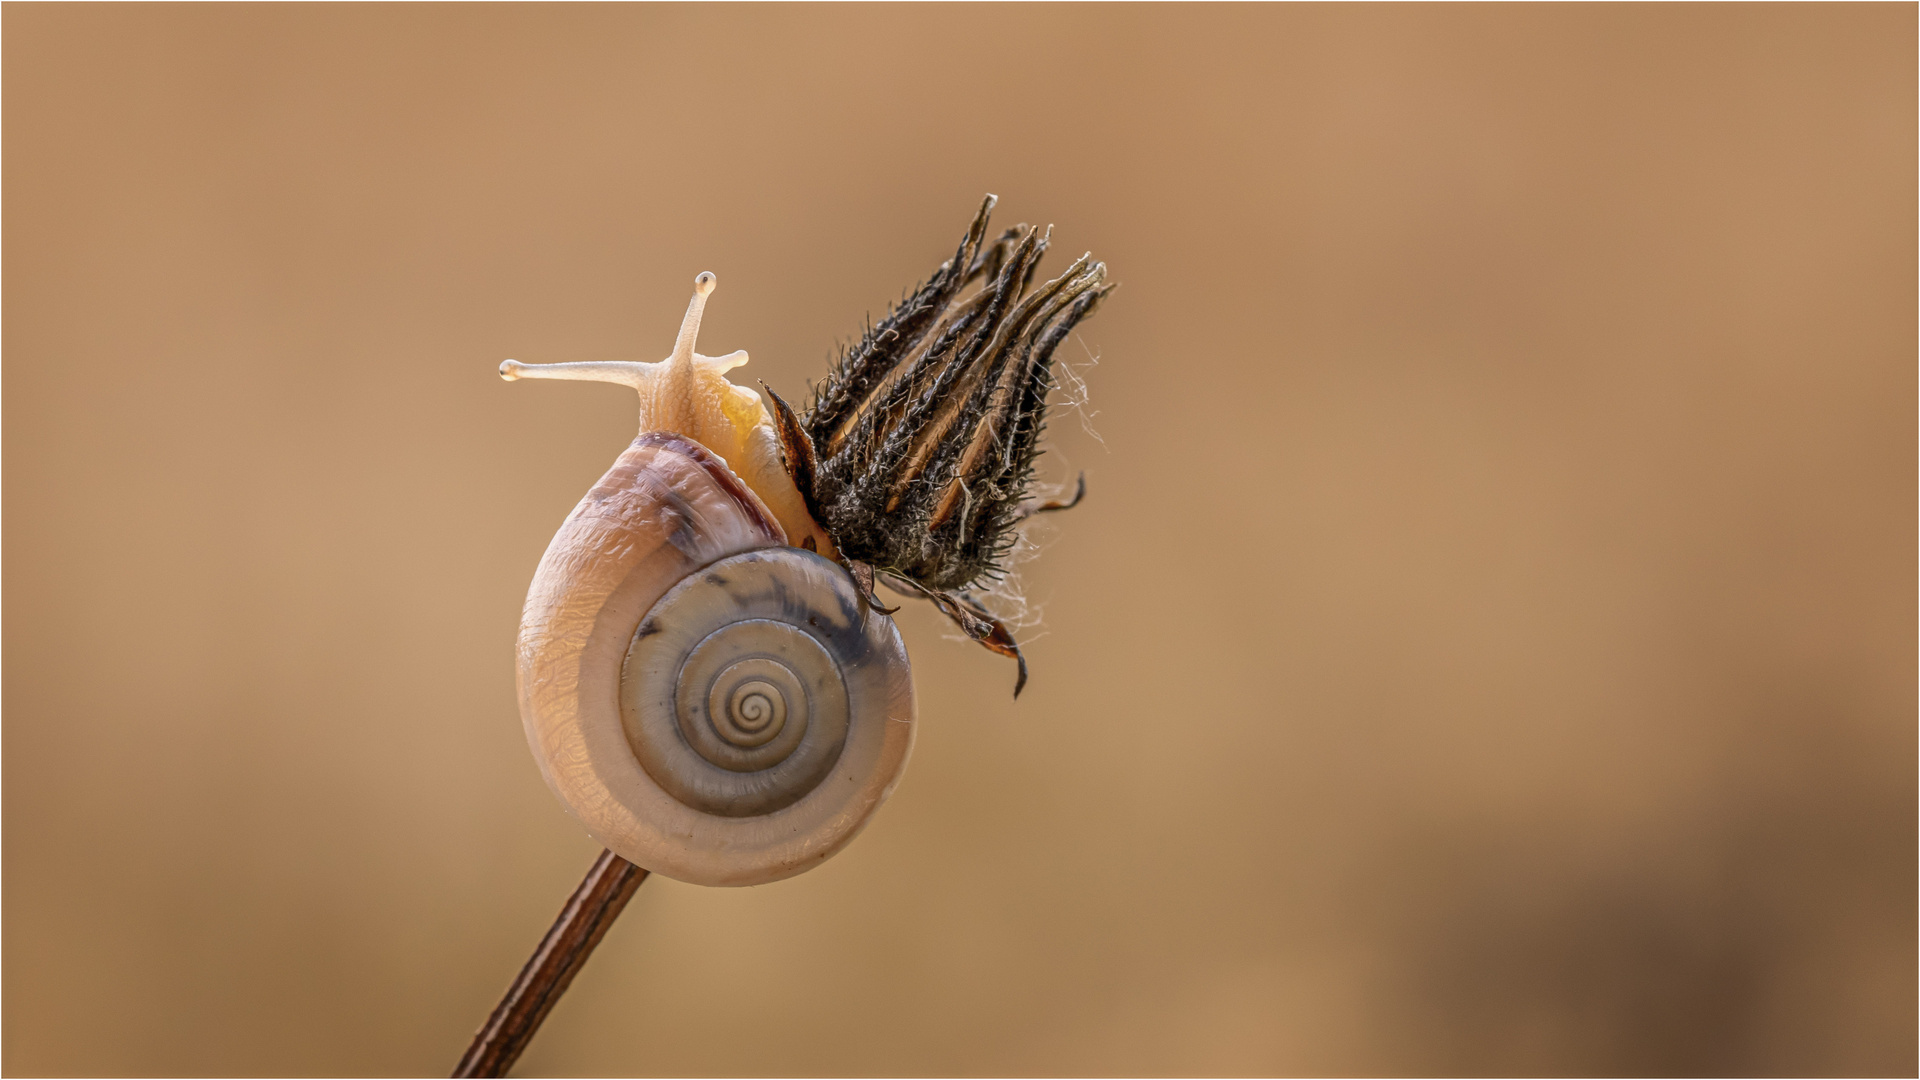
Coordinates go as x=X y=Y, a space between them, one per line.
x=974 y=620
x=1047 y=506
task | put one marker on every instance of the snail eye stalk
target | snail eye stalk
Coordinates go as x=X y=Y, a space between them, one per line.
x=917 y=455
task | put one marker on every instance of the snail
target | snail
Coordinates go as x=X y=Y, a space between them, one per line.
x=706 y=677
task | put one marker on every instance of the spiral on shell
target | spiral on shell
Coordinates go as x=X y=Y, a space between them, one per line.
x=745 y=682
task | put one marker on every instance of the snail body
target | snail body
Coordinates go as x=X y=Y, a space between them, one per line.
x=709 y=702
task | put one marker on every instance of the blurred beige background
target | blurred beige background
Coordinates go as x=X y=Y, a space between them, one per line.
x=1488 y=646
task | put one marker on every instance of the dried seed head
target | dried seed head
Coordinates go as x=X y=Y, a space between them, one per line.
x=915 y=461
x=918 y=451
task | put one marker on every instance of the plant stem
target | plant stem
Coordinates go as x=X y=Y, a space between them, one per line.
x=562 y=953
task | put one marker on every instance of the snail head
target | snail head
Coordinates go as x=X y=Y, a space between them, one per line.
x=689 y=394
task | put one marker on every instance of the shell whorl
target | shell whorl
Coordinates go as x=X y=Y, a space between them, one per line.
x=710 y=704
x=745 y=683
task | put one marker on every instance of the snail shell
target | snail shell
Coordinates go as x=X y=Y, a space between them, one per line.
x=712 y=704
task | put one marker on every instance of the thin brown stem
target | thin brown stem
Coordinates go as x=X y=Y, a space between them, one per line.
x=562 y=953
